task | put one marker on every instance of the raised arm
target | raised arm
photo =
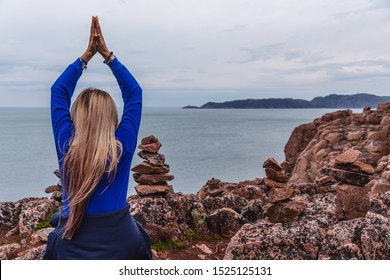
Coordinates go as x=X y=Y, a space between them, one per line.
x=128 y=128
x=61 y=95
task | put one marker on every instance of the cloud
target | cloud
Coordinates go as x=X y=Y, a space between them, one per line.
x=207 y=50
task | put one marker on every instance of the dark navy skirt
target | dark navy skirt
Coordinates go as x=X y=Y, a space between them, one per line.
x=108 y=236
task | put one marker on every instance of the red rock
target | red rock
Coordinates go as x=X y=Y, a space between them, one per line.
x=156 y=215
x=149 y=140
x=366 y=109
x=152 y=148
x=9 y=250
x=279 y=194
x=274 y=184
x=225 y=200
x=146 y=168
x=144 y=190
x=305 y=133
x=247 y=191
x=152 y=179
x=35 y=253
x=349 y=177
x=285 y=211
x=277 y=176
x=215 y=192
x=52 y=188
x=225 y=222
x=57 y=173
x=262 y=240
x=152 y=158
x=357 y=166
x=352 y=202
x=32 y=213
x=257 y=181
x=324 y=180
x=271 y=163
x=209 y=186
x=383 y=106
x=253 y=211
x=349 y=156
x=379 y=187
x=57 y=196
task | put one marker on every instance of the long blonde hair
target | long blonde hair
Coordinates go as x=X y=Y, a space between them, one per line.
x=93 y=143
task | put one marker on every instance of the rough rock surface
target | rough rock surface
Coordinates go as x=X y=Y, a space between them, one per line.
x=147 y=179
x=32 y=254
x=303 y=135
x=352 y=202
x=271 y=163
x=147 y=168
x=275 y=175
x=8 y=250
x=285 y=211
x=264 y=240
x=361 y=238
x=152 y=148
x=279 y=194
x=152 y=158
x=225 y=222
x=156 y=215
x=149 y=140
x=32 y=213
x=41 y=235
x=316 y=145
x=143 y=190
x=317 y=234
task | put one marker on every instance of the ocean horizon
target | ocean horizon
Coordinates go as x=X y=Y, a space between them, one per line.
x=228 y=144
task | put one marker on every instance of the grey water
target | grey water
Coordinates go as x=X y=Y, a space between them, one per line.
x=228 y=144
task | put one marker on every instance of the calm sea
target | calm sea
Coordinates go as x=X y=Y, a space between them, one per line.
x=229 y=144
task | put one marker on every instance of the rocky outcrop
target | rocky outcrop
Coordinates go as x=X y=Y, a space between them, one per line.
x=152 y=174
x=219 y=208
x=317 y=234
x=315 y=146
x=23 y=216
x=303 y=135
x=20 y=224
x=362 y=238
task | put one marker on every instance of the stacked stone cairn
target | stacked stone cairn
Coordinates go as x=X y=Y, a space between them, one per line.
x=281 y=207
x=56 y=190
x=352 y=177
x=152 y=174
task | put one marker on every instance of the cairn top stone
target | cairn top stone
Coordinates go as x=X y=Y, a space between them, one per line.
x=271 y=163
x=149 y=140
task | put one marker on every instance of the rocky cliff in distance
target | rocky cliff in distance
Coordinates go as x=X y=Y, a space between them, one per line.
x=330 y=199
x=358 y=100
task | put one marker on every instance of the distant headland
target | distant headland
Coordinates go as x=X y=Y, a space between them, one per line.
x=359 y=100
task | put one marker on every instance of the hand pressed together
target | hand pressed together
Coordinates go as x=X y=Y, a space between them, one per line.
x=96 y=42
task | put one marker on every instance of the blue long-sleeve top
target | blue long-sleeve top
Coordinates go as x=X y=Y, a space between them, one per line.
x=103 y=199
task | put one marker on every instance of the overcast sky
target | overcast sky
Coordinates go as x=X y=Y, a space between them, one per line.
x=193 y=51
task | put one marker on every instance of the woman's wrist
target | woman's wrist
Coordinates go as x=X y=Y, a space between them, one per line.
x=106 y=54
x=87 y=56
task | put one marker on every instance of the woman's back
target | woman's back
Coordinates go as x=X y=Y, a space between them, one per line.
x=95 y=222
x=106 y=197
